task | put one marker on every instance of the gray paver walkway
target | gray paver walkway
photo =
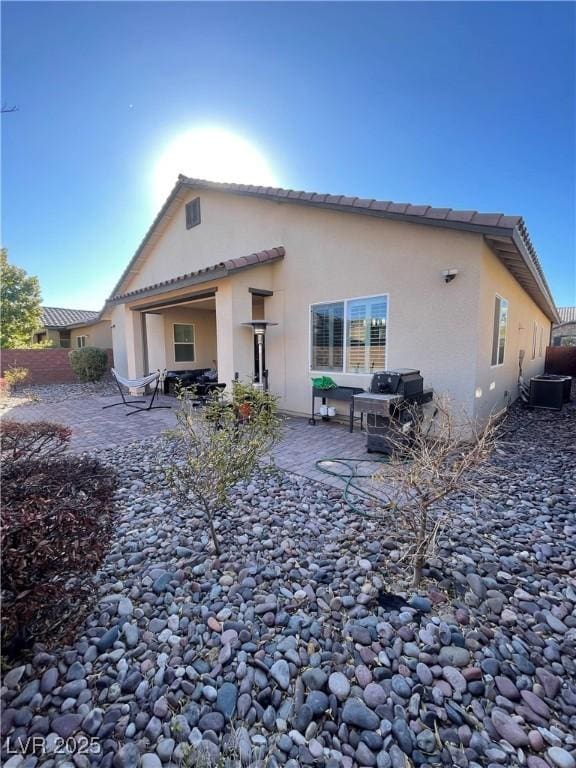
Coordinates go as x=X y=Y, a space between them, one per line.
x=302 y=445
x=92 y=427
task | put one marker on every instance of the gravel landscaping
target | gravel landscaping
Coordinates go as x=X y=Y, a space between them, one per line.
x=285 y=648
x=55 y=393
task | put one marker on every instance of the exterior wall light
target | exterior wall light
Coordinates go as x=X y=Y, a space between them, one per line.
x=449 y=275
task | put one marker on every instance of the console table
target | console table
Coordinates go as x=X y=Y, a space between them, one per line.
x=345 y=394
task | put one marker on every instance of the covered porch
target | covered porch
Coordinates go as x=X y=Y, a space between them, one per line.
x=196 y=323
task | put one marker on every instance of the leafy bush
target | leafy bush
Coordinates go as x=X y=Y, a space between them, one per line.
x=88 y=363
x=21 y=441
x=56 y=521
x=44 y=344
x=219 y=445
x=16 y=375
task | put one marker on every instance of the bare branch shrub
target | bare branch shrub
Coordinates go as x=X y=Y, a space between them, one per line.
x=55 y=524
x=22 y=441
x=431 y=459
x=219 y=445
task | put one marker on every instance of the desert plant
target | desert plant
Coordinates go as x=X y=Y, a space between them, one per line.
x=237 y=751
x=15 y=375
x=21 y=441
x=430 y=460
x=56 y=520
x=88 y=363
x=219 y=445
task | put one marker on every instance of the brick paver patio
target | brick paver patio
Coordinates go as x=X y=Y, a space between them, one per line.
x=92 y=427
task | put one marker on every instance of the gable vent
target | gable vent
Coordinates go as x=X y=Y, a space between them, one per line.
x=193 y=213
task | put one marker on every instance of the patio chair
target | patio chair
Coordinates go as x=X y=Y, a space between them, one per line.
x=137 y=384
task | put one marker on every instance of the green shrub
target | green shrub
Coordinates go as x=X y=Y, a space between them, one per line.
x=15 y=376
x=89 y=363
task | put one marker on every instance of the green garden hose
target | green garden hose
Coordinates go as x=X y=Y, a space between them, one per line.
x=351 y=488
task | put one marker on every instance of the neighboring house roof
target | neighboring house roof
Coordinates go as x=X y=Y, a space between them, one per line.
x=567 y=314
x=506 y=235
x=222 y=269
x=56 y=317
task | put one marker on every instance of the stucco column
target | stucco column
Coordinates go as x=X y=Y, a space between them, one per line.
x=155 y=338
x=234 y=340
x=134 y=343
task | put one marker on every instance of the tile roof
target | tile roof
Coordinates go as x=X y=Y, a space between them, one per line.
x=221 y=269
x=57 y=317
x=567 y=314
x=525 y=267
x=359 y=204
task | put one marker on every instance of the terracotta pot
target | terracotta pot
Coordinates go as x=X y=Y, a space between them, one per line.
x=245 y=410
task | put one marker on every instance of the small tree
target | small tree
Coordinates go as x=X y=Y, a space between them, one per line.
x=431 y=460
x=20 y=305
x=88 y=363
x=219 y=445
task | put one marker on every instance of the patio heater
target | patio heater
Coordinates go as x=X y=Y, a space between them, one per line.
x=259 y=327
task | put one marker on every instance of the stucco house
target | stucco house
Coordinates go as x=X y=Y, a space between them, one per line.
x=355 y=285
x=73 y=328
x=564 y=332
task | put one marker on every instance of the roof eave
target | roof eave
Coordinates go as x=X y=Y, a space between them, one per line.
x=547 y=305
x=543 y=295
x=147 y=237
x=352 y=209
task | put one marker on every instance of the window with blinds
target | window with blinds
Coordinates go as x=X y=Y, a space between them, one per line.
x=328 y=337
x=366 y=334
x=500 y=327
x=356 y=327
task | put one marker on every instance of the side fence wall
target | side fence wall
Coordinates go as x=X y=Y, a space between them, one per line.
x=561 y=360
x=45 y=366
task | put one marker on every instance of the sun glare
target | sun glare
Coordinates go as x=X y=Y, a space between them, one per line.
x=211 y=153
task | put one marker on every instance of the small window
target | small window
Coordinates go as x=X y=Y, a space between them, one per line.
x=80 y=341
x=541 y=343
x=500 y=327
x=183 y=343
x=193 y=213
x=65 y=339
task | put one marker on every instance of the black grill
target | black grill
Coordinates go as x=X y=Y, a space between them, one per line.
x=394 y=402
x=405 y=382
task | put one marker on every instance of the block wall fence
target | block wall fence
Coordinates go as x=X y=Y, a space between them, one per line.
x=45 y=366
x=561 y=360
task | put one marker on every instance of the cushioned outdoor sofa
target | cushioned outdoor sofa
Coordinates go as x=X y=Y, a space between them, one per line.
x=204 y=381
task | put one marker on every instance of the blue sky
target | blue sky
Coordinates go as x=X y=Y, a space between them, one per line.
x=465 y=105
